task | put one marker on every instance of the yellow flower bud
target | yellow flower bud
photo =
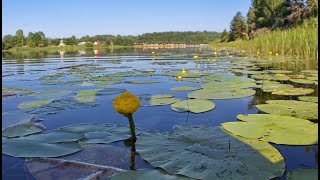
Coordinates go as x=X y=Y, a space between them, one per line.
x=215 y=53
x=179 y=77
x=126 y=103
x=152 y=52
x=196 y=57
x=184 y=71
x=270 y=52
x=258 y=52
x=277 y=54
x=230 y=57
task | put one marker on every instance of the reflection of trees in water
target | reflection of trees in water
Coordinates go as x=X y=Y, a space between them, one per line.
x=315 y=150
x=261 y=97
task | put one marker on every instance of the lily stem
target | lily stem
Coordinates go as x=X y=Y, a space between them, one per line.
x=132 y=128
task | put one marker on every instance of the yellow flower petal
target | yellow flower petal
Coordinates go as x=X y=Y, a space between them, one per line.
x=126 y=103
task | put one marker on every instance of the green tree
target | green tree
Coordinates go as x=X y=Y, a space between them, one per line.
x=224 y=36
x=237 y=27
x=7 y=42
x=20 y=38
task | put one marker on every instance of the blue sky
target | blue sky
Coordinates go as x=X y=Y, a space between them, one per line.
x=64 y=18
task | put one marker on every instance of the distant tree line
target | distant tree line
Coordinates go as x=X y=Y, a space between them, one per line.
x=38 y=39
x=264 y=15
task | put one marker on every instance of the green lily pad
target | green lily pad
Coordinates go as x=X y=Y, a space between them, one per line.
x=275 y=87
x=230 y=78
x=300 y=109
x=184 y=88
x=109 y=134
x=310 y=71
x=34 y=104
x=208 y=152
x=313 y=78
x=14 y=117
x=247 y=72
x=55 y=136
x=22 y=129
x=87 y=95
x=232 y=94
x=309 y=98
x=293 y=91
x=193 y=105
x=246 y=130
x=15 y=90
x=107 y=78
x=304 y=81
x=303 y=174
x=51 y=93
x=150 y=100
x=52 y=76
x=279 y=71
x=275 y=128
x=154 y=174
x=226 y=86
x=142 y=81
x=270 y=77
x=100 y=133
x=26 y=148
x=58 y=105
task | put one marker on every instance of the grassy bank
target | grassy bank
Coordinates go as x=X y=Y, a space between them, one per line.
x=300 y=41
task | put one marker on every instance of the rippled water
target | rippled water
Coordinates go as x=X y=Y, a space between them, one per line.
x=24 y=72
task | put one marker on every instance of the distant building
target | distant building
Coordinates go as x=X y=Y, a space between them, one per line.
x=61 y=43
x=82 y=43
x=97 y=43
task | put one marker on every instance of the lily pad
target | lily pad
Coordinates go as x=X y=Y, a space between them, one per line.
x=232 y=94
x=193 y=105
x=15 y=90
x=208 y=152
x=142 y=81
x=154 y=174
x=34 y=104
x=87 y=95
x=184 y=88
x=279 y=71
x=22 y=129
x=302 y=174
x=293 y=91
x=14 y=117
x=226 y=86
x=230 y=78
x=51 y=93
x=55 y=136
x=100 y=133
x=270 y=77
x=275 y=128
x=269 y=87
x=157 y=99
x=300 y=109
x=309 y=98
x=313 y=78
x=26 y=148
x=304 y=81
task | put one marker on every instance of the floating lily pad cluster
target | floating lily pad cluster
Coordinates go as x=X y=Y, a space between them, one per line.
x=300 y=109
x=28 y=139
x=274 y=128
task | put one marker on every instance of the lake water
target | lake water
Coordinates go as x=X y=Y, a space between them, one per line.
x=23 y=71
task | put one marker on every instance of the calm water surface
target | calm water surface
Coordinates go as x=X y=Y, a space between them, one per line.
x=22 y=70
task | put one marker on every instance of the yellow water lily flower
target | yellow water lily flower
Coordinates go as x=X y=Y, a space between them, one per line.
x=277 y=54
x=184 y=71
x=196 y=57
x=215 y=53
x=280 y=75
x=230 y=57
x=179 y=77
x=258 y=52
x=152 y=52
x=214 y=60
x=126 y=103
x=243 y=51
x=270 y=53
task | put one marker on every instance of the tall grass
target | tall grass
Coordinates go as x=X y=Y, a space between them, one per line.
x=300 y=41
